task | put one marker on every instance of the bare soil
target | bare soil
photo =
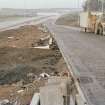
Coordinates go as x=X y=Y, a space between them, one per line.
x=22 y=37
x=16 y=63
x=69 y=20
x=18 y=58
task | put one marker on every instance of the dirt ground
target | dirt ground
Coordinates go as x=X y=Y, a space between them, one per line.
x=70 y=19
x=18 y=60
x=21 y=37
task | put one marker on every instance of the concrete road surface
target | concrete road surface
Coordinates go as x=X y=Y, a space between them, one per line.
x=84 y=54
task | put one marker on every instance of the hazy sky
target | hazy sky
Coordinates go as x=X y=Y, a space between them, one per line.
x=40 y=3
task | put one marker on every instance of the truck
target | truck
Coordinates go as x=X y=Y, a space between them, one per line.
x=93 y=22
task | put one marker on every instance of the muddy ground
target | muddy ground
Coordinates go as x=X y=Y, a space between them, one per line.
x=18 y=59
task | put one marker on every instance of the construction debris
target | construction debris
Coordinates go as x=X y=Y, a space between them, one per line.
x=43 y=28
x=42 y=47
x=20 y=91
x=10 y=37
x=44 y=75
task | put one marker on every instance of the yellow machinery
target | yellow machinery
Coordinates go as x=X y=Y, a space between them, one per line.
x=93 y=22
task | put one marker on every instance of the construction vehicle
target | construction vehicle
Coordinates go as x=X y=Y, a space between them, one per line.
x=93 y=22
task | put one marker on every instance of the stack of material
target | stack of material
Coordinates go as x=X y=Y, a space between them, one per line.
x=56 y=91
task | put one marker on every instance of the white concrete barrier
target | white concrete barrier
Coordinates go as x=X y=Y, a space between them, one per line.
x=35 y=99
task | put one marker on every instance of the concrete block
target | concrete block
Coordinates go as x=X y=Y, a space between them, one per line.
x=51 y=95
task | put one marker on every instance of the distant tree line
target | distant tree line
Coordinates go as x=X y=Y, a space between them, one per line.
x=94 y=5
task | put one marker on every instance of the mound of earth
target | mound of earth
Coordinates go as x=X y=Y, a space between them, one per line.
x=69 y=20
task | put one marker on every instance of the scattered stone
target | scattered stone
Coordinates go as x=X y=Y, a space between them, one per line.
x=56 y=73
x=32 y=75
x=43 y=28
x=65 y=73
x=44 y=75
x=10 y=37
x=20 y=91
x=43 y=47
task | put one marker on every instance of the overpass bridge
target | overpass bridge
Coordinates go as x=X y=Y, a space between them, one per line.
x=84 y=54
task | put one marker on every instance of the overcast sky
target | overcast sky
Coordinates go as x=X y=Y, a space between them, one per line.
x=40 y=3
